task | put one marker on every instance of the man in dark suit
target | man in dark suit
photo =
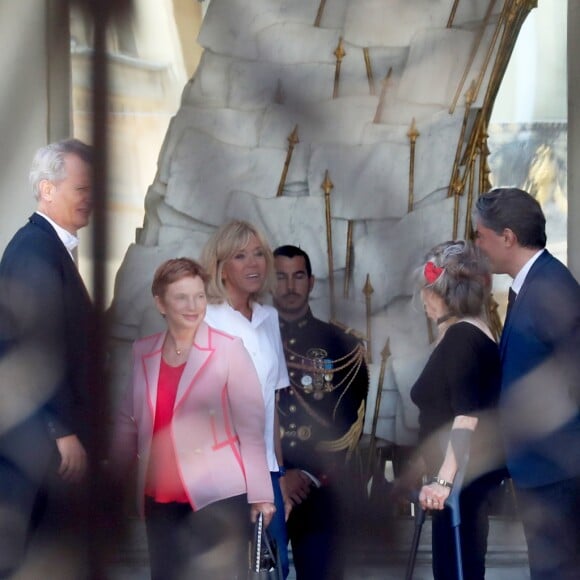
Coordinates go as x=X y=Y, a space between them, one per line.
x=321 y=417
x=43 y=352
x=540 y=353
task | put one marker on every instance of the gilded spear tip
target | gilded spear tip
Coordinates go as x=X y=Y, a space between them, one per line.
x=293 y=137
x=368 y=287
x=386 y=352
x=339 y=52
x=457 y=186
x=470 y=94
x=413 y=133
x=327 y=185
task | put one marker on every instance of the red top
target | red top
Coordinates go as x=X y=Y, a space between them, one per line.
x=164 y=482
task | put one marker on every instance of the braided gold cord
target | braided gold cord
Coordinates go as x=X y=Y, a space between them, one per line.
x=349 y=440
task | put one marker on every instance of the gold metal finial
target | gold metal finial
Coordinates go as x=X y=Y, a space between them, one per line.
x=327 y=187
x=293 y=137
x=386 y=352
x=339 y=53
x=368 y=287
x=292 y=142
x=470 y=95
x=457 y=188
x=413 y=133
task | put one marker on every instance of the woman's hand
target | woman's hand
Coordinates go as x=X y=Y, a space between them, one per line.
x=433 y=496
x=267 y=508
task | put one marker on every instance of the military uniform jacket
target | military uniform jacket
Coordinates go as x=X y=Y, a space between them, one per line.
x=322 y=412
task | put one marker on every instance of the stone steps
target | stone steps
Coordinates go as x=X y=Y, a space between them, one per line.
x=506 y=543
x=380 y=550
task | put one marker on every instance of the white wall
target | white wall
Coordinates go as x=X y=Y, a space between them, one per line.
x=535 y=87
x=33 y=111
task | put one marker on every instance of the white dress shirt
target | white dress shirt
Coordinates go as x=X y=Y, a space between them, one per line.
x=262 y=339
x=521 y=275
x=70 y=241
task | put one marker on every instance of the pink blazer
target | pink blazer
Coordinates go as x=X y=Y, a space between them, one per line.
x=218 y=422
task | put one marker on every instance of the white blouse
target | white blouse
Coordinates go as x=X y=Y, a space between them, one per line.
x=262 y=339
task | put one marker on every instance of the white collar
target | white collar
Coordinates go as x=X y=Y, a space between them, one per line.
x=521 y=275
x=70 y=241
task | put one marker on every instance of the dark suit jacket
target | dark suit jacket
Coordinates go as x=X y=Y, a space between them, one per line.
x=540 y=353
x=44 y=347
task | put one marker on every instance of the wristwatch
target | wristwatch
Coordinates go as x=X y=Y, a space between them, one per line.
x=443 y=482
x=281 y=470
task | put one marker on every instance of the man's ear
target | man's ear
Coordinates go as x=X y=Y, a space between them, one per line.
x=510 y=237
x=45 y=190
x=310 y=283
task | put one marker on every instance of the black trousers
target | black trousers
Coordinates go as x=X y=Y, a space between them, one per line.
x=550 y=516
x=209 y=543
x=474 y=510
x=39 y=512
x=316 y=531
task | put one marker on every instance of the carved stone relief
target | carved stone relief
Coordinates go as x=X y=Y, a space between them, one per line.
x=390 y=100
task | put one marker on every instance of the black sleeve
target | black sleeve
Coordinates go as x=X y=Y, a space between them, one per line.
x=33 y=293
x=464 y=360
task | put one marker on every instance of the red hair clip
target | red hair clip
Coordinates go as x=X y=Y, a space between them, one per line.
x=432 y=272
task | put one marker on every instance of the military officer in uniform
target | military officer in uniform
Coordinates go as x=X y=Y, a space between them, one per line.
x=321 y=419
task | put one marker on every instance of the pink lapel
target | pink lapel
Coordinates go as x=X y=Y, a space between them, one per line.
x=151 y=362
x=200 y=354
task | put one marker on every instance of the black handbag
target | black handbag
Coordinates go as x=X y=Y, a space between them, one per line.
x=264 y=556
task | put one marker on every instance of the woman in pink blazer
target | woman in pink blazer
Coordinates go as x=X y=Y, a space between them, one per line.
x=194 y=418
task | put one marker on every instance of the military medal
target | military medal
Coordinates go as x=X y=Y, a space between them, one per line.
x=306 y=382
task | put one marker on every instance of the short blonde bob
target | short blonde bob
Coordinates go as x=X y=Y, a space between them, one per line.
x=225 y=242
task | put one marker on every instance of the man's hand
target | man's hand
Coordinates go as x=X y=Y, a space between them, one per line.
x=296 y=485
x=73 y=458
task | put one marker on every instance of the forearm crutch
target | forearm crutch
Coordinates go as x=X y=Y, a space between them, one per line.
x=460 y=440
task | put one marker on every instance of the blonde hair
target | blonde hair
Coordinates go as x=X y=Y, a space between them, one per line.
x=221 y=247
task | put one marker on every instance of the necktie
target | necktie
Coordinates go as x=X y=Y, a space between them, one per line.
x=511 y=299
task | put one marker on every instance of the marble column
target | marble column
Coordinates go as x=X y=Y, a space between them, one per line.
x=35 y=103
